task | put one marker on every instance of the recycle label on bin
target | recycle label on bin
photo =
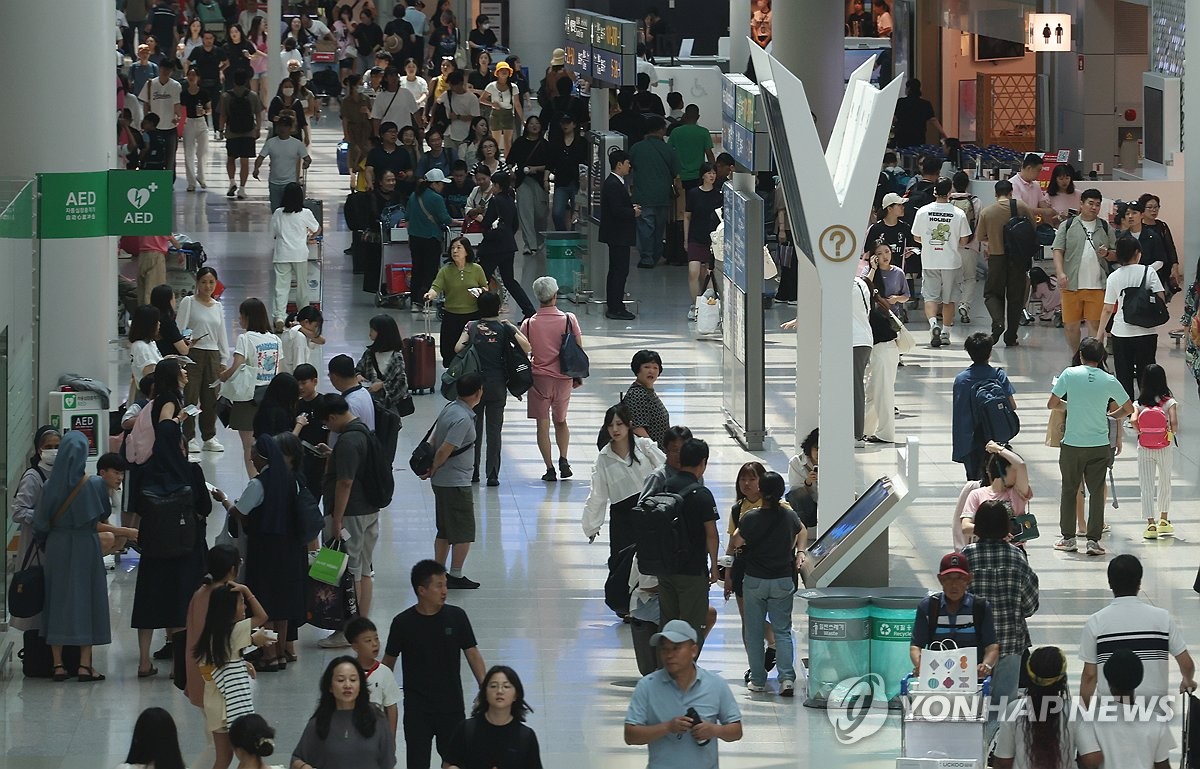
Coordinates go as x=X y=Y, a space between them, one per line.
x=887 y=630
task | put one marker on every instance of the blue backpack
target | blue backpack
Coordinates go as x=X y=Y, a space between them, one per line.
x=995 y=418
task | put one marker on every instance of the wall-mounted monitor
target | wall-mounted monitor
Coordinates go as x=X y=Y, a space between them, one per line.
x=996 y=49
x=849 y=535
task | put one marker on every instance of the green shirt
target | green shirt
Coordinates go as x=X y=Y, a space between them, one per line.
x=691 y=141
x=655 y=166
x=1087 y=391
x=453 y=284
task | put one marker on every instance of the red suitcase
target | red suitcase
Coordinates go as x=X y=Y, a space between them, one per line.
x=398 y=277
x=420 y=362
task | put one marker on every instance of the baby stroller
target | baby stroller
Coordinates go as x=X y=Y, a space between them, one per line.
x=1045 y=297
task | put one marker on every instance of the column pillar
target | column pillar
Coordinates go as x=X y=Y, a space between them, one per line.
x=810 y=41
x=275 y=73
x=739 y=31
x=71 y=130
x=535 y=29
x=1191 y=143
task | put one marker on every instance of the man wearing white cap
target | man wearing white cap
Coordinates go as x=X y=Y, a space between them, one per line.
x=681 y=710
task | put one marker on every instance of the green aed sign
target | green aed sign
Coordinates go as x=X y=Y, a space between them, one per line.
x=100 y=203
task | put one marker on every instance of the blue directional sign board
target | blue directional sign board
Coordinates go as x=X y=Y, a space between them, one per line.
x=743 y=124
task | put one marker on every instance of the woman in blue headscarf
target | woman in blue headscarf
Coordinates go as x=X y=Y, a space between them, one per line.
x=276 y=553
x=73 y=508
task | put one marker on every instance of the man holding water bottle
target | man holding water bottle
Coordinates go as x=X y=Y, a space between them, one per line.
x=1082 y=257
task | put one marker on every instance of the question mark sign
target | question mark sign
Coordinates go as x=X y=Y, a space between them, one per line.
x=838 y=238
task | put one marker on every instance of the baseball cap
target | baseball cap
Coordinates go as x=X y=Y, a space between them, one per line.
x=675 y=631
x=892 y=199
x=435 y=175
x=954 y=563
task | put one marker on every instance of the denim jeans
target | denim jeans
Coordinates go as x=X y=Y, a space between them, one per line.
x=651 y=228
x=1005 y=679
x=564 y=204
x=765 y=598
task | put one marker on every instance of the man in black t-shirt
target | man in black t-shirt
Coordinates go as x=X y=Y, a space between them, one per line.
x=428 y=638
x=684 y=595
x=912 y=115
x=207 y=59
x=388 y=155
x=315 y=432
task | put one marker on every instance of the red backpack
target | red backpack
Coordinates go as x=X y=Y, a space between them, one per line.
x=1154 y=428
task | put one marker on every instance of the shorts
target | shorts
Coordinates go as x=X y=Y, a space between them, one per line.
x=242 y=415
x=1083 y=304
x=240 y=146
x=502 y=119
x=364 y=534
x=912 y=266
x=454 y=514
x=698 y=252
x=548 y=393
x=940 y=286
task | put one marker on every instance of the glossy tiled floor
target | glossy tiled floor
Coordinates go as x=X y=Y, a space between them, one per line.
x=540 y=608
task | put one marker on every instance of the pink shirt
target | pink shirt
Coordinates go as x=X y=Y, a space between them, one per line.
x=545 y=332
x=1029 y=193
x=137 y=244
x=1015 y=503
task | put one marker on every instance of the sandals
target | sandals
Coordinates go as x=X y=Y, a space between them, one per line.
x=149 y=672
x=267 y=666
x=91 y=675
x=63 y=676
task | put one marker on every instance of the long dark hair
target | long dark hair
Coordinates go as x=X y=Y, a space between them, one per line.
x=155 y=741
x=1154 y=386
x=282 y=391
x=219 y=561
x=143 y=326
x=255 y=313
x=1047 y=693
x=365 y=718
x=519 y=706
x=212 y=645
x=160 y=297
x=166 y=382
x=1062 y=169
x=622 y=413
x=387 y=334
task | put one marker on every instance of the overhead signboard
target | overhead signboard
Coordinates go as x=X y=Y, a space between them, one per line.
x=600 y=47
x=100 y=203
x=744 y=133
x=577 y=42
x=1048 y=32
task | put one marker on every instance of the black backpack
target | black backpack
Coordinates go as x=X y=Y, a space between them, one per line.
x=919 y=196
x=616 y=587
x=660 y=531
x=1020 y=237
x=375 y=475
x=240 y=115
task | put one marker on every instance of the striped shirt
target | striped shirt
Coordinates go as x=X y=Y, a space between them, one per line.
x=1131 y=623
x=959 y=627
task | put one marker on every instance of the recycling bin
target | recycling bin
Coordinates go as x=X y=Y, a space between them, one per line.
x=564 y=252
x=892 y=614
x=839 y=641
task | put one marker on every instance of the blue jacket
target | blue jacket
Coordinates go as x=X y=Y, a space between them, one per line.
x=422 y=225
x=962 y=425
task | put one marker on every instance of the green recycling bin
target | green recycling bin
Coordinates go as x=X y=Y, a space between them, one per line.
x=839 y=641
x=892 y=614
x=564 y=251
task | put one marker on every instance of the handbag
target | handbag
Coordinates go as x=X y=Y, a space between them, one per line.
x=168 y=527
x=518 y=371
x=330 y=564
x=329 y=607
x=905 y=342
x=1142 y=307
x=466 y=361
x=239 y=387
x=405 y=407
x=708 y=307
x=572 y=360
x=27 y=591
x=421 y=460
x=1056 y=427
x=1023 y=527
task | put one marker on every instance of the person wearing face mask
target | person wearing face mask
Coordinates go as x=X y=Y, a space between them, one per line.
x=287 y=98
x=29 y=492
x=482 y=38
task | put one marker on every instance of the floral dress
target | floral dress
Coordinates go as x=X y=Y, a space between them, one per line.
x=1190 y=306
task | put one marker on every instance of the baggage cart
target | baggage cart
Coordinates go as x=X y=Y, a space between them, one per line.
x=395 y=266
x=181 y=273
x=927 y=730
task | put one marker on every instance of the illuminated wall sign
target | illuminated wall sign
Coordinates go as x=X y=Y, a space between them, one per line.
x=1048 y=32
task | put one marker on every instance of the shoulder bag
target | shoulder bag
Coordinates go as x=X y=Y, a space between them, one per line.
x=239 y=387
x=27 y=591
x=1142 y=307
x=518 y=371
x=572 y=360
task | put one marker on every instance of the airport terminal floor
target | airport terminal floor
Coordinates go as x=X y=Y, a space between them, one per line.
x=540 y=608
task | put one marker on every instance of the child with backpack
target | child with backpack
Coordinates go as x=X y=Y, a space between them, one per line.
x=1156 y=421
x=218 y=650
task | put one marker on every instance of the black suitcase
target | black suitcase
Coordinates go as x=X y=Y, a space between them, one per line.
x=1191 y=733
x=675 y=250
x=325 y=83
x=318 y=210
x=36 y=660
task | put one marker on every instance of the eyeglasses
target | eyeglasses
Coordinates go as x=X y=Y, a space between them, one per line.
x=498 y=686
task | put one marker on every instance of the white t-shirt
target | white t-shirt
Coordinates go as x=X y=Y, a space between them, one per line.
x=1129 y=276
x=1127 y=740
x=395 y=107
x=291 y=231
x=860 y=303
x=261 y=352
x=285 y=154
x=382 y=686
x=1011 y=741
x=142 y=354
x=417 y=87
x=1091 y=275
x=940 y=227
x=500 y=99
x=207 y=325
x=1150 y=632
x=362 y=405
x=460 y=104
x=162 y=98
x=296 y=349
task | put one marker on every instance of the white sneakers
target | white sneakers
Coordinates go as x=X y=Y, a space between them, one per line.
x=212 y=445
x=335 y=640
x=193 y=446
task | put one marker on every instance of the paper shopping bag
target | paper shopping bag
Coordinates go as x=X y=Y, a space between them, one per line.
x=330 y=565
x=1056 y=427
x=946 y=669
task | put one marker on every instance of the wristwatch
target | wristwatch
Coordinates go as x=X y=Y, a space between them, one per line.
x=988 y=667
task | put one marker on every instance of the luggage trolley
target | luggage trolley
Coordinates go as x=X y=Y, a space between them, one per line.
x=928 y=731
x=181 y=276
x=316 y=257
x=394 y=275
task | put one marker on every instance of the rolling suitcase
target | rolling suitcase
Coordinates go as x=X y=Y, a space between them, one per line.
x=343 y=158
x=318 y=210
x=420 y=360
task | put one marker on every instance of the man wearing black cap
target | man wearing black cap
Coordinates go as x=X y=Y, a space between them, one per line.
x=942 y=229
x=956 y=615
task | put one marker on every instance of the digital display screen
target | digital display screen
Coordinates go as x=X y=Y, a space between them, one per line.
x=862 y=508
x=1152 y=106
x=788 y=176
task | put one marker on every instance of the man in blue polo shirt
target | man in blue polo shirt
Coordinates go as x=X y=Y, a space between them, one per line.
x=665 y=704
x=956 y=615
